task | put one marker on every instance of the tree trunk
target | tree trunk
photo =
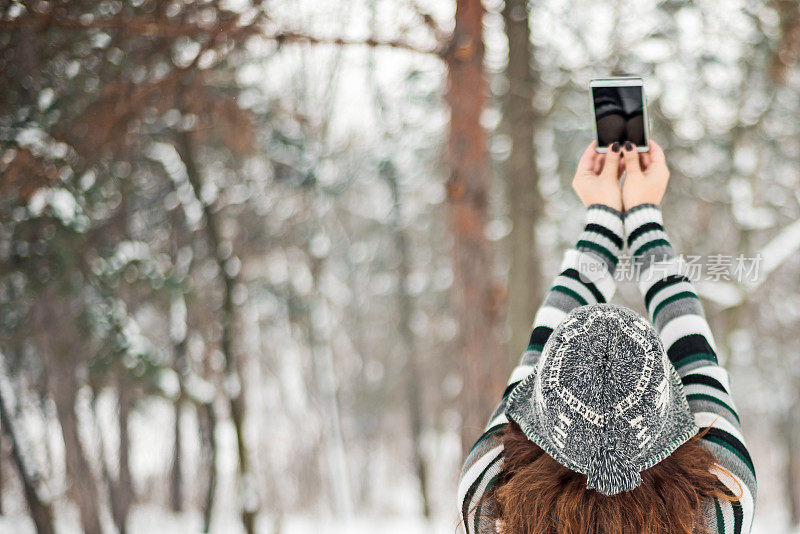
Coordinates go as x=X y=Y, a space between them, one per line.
x=477 y=298
x=124 y=493
x=319 y=337
x=405 y=306
x=791 y=440
x=412 y=375
x=120 y=491
x=176 y=472
x=60 y=358
x=208 y=426
x=525 y=203
x=178 y=334
x=40 y=509
x=234 y=381
x=2 y=463
x=84 y=489
x=787 y=51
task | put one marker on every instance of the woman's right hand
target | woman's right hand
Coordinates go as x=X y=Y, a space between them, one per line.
x=646 y=176
x=596 y=179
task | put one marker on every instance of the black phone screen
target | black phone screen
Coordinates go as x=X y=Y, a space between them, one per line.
x=619 y=114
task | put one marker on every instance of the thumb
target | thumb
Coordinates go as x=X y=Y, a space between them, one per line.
x=631 y=159
x=611 y=164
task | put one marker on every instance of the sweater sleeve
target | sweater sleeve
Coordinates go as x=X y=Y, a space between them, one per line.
x=586 y=277
x=675 y=309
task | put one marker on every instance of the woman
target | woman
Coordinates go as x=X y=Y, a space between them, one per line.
x=610 y=423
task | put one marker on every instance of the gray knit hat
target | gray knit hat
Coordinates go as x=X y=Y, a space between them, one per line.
x=604 y=399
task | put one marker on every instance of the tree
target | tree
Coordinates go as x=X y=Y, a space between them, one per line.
x=63 y=360
x=40 y=508
x=227 y=266
x=525 y=203
x=103 y=131
x=477 y=297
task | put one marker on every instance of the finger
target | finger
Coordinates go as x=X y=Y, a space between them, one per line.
x=587 y=158
x=611 y=164
x=598 y=163
x=656 y=152
x=646 y=160
x=631 y=156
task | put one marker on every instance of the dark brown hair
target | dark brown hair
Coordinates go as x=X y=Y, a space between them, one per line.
x=537 y=495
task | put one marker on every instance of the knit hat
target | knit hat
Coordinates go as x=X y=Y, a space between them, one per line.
x=604 y=399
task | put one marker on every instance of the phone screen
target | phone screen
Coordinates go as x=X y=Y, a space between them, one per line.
x=619 y=113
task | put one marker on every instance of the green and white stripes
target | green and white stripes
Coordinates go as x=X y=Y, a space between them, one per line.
x=586 y=276
x=675 y=309
x=602 y=235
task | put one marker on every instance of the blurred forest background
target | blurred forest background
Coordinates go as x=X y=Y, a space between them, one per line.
x=266 y=266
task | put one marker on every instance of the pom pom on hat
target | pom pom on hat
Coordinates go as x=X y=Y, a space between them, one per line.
x=610 y=473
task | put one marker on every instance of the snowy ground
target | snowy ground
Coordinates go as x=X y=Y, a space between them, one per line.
x=153 y=520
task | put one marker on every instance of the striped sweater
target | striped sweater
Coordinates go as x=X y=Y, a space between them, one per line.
x=675 y=309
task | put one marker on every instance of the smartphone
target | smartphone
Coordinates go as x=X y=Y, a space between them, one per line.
x=620 y=112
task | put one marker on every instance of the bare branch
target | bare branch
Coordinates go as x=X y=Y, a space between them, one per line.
x=429 y=21
x=295 y=37
x=145 y=26
x=233 y=27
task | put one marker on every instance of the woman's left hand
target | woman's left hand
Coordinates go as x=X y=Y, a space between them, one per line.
x=596 y=180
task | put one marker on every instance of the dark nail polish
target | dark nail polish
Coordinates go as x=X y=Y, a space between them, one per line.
x=615 y=146
x=628 y=146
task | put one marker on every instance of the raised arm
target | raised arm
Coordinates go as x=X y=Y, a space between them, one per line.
x=586 y=276
x=675 y=309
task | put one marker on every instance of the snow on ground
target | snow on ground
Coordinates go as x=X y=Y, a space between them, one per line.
x=155 y=520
